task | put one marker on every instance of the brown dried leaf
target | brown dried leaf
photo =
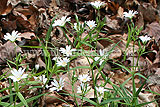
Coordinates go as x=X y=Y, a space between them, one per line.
x=24 y=24
x=153 y=2
x=147 y=97
x=26 y=35
x=155 y=88
x=108 y=45
x=52 y=98
x=120 y=12
x=28 y=15
x=131 y=3
x=140 y=21
x=154 y=79
x=42 y=3
x=3 y=6
x=82 y=61
x=112 y=23
x=153 y=29
x=142 y=63
x=120 y=77
x=40 y=62
x=14 y=2
x=8 y=51
x=148 y=12
x=7 y=10
x=4 y=85
x=113 y=7
x=8 y=25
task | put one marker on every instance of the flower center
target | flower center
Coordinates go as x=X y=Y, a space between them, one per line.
x=90 y=26
x=84 y=79
x=18 y=78
x=68 y=52
x=64 y=63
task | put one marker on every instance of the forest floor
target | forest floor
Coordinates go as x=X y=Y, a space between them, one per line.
x=94 y=56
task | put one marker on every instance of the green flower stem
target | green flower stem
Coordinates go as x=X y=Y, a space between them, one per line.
x=16 y=87
x=70 y=43
x=99 y=15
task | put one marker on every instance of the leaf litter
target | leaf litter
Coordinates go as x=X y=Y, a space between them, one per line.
x=32 y=18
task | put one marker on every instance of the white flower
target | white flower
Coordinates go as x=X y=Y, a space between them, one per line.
x=62 y=62
x=97 y=4
x=91 y=24
x=57 y=85
x=41 y=79
x=130 y=14
x=18 y=75
x=13 y=36
x=68 y=51
x=84 y=78
x=100 y=91
x=61 y=22
x=144 y=38
x=83 y=88
x=37 y=66
x=102 y=53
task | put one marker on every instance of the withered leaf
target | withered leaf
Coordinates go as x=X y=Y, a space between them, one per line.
x=8 y=51
x=42 y=3
x=8 y=25
x=153 y=29
x=26 y=35
x=113 y=7
x=27 y=17
x=154 y=79
x=3 y=6
x=148 y=12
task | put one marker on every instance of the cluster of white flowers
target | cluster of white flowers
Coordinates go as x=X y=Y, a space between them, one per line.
x=66 y=52
x=102 y=56
x=57 y=86
x=97 y=4
x=130 y=14
x=100 y=93
x=18 y=75
x=84 y=86
x=13 y=36
x=61 y=22
x=144 y=38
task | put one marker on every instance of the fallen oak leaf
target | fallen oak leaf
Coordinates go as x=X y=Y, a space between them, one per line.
x=4 y=9
x=26 y=35
x=153 y=29
x=148 y=11
x=8 y=51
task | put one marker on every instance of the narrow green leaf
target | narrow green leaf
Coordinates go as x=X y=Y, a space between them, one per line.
x=4 y=104
x=141 y=76
x=110 y=100
x=84 y=98
x=22 y=99
x=30 y=99
x=80 y=67
x=85 y=43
